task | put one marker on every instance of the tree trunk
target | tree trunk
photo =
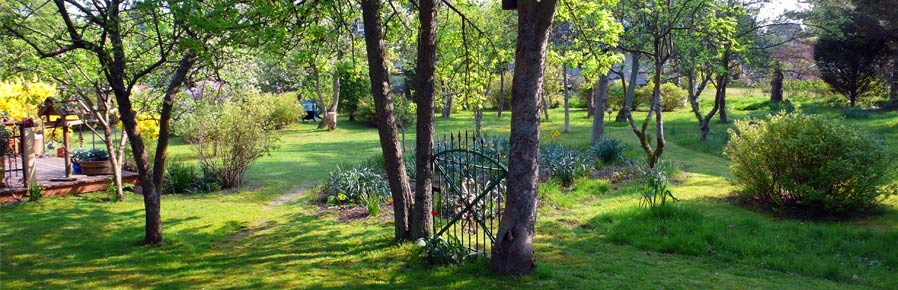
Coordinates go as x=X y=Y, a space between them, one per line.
x=168 y=102
x=893 y=90
x=330 y=118
x=116 y=75
x=386 y=121
x=545 y=102
x=513 y=251
x=447 y=105
x=776 y=84
x=113 y=160
x=659 y=118
x=723 y=104
x=151 y=200
x=598 y=121
x=501 y=101
x=567 y=97
x=631 y=90
x=590 y=103
x=652 y=155
x=720 y=93
x=478 y=118
x=424 y=91
x=317 y=75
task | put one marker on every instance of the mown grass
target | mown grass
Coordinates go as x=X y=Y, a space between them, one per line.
x=592 y=235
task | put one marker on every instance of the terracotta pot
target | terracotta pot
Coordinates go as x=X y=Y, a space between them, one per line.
x=95 y=167
x=60 y=152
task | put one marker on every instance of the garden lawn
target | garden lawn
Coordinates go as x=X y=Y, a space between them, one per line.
x=269 y=234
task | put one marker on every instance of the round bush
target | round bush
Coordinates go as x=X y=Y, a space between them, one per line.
x=672 y=96
x=811 y=163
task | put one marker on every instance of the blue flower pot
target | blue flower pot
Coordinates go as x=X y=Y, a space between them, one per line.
x=76 y=168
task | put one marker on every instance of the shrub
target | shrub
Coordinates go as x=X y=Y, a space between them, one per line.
x=616 y=94
x=608 y=150
x=403 y=109
x=563 y=162
x=358 y=185
x=282 y=109
x=19 y=98
x=180 y=177
x=810 y=162
x=439 y=251
x=672 y=96
x=228 y=137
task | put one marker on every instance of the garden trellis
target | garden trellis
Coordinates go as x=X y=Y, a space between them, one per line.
x=470 y=189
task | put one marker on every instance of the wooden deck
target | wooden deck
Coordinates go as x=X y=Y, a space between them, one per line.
x=48 y=168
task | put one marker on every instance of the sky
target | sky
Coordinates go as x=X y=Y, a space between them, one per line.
x=773 y=9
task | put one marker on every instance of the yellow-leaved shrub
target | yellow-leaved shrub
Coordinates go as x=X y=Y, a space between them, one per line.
x=19 y=98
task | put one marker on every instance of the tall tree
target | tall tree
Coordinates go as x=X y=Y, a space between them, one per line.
x=424 y=95
x=851 y=64
x=661 y=22
x=386 y=121
x=871 y=19
x=513 y=251
x=703 y=56
x=594 y=32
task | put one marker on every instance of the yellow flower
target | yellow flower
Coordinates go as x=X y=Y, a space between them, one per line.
x=19 y=99
x=555 y=134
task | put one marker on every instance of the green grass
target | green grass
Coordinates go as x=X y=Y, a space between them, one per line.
x=593 y=235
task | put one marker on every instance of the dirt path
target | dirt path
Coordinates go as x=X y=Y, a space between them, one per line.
x=293 y=194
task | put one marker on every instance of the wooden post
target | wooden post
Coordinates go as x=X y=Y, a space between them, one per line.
x=28 y=169
x=65 y=144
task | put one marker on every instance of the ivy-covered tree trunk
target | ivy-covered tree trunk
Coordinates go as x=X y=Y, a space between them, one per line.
x=631 y=90
x=424 y=91
x=386 y=120
x=513 y=251
x=567 y=98
x=598 y=121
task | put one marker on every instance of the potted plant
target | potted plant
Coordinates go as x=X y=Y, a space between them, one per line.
x=92 y=162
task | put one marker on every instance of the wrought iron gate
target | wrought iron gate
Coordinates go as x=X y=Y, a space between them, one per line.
x=12 y=141
x=469 y=195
